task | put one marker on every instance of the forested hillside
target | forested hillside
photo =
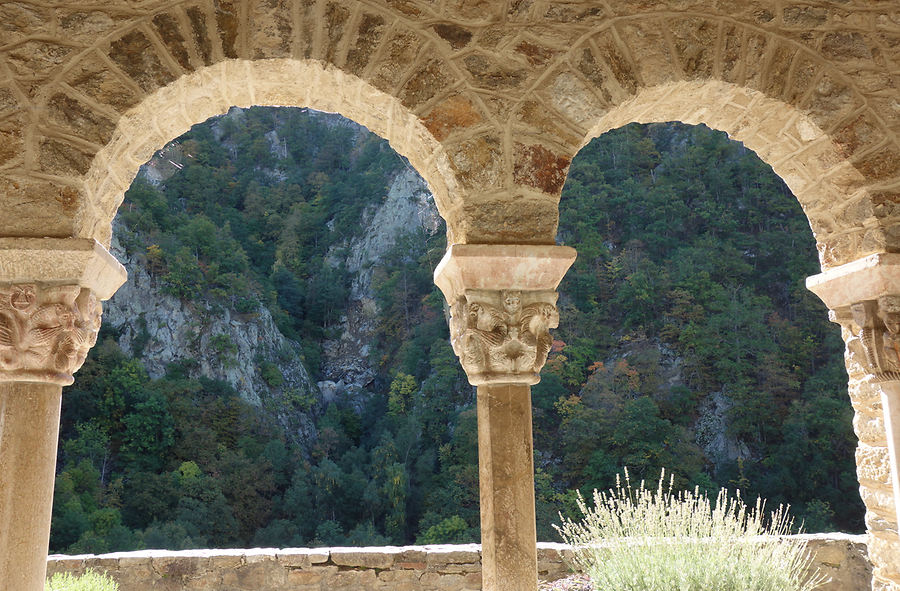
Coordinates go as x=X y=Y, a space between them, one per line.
x=687 y=341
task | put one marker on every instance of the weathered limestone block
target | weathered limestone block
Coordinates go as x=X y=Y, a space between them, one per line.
x=301 y=577
x=411 y=557
x=877 y=523
x=260 y=555
x=879 y=499
x=474 y=581
x=453 y=554
x=245 y=577
x=395 y=576
x=324 y=572
x=537 y=167
x=843 y=559
x=178 y=565
x=450 y=582
x=864 y=396
x=574 y=99
x=509 y=219
x=883 y=553
x=381 y=558
x=880 y=584
x=101 y=562
x=301 y=557
x=869 y=428
x=454 y=114
x=452 y=569
x=873 y=465
x=347 y=578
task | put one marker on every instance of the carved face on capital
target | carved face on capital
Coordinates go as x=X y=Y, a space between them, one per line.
x=511 y=301
x=22 y=297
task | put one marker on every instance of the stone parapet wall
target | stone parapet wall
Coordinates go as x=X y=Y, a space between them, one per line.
x=842 y=557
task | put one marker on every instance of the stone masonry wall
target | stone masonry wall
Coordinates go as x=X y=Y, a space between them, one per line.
x=842 y=557
x=488 y=100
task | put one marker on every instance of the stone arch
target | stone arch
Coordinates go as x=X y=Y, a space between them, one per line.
x=830 y=190
x=172 y=110
x=494 y=98
x=822 y=131
x=75 y=134
x=797 y=104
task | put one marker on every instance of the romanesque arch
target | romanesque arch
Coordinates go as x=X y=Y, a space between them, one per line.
x=193 y=98
x=490 y=101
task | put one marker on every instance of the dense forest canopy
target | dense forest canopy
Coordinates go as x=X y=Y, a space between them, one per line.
x=687 y=342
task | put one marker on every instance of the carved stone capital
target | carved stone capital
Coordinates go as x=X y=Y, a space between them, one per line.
x=46 y=332
x=875 y=341
x=502 y=307
x=50 y=293
x=864 y=298
x=503 y=337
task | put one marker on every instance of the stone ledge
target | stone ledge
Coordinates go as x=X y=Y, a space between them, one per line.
x=864 y=279
x=61 y=261
x=501 y=267
x=842 y=557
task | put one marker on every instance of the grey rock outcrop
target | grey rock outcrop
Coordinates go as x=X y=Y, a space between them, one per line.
x=222 y=344
x=711 y=431
x=407 y=208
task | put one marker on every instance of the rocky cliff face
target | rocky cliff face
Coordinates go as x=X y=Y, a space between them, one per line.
x=245 y=350
x=408 y=207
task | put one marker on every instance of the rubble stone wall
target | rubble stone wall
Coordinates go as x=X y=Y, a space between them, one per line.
x=843 y=558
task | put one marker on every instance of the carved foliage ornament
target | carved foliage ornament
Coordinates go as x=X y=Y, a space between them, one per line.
x=503 y=337
x=876 y=340
x=46 y=332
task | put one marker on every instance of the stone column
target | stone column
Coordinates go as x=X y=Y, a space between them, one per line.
x=502 y=307
x=50 y=293
x=864 y=298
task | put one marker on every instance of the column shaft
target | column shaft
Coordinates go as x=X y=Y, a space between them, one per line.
x=29 y=429
x=506 y=474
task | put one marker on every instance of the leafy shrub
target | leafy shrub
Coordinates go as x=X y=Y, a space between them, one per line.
x=644 y=540
x=185 y=278
x=225 y=347
x=271 y=374
x=301 y=400
x=452 y=530
x=90 y=581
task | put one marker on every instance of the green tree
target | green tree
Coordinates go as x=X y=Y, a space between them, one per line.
x=149 y=433
x=401 y=393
